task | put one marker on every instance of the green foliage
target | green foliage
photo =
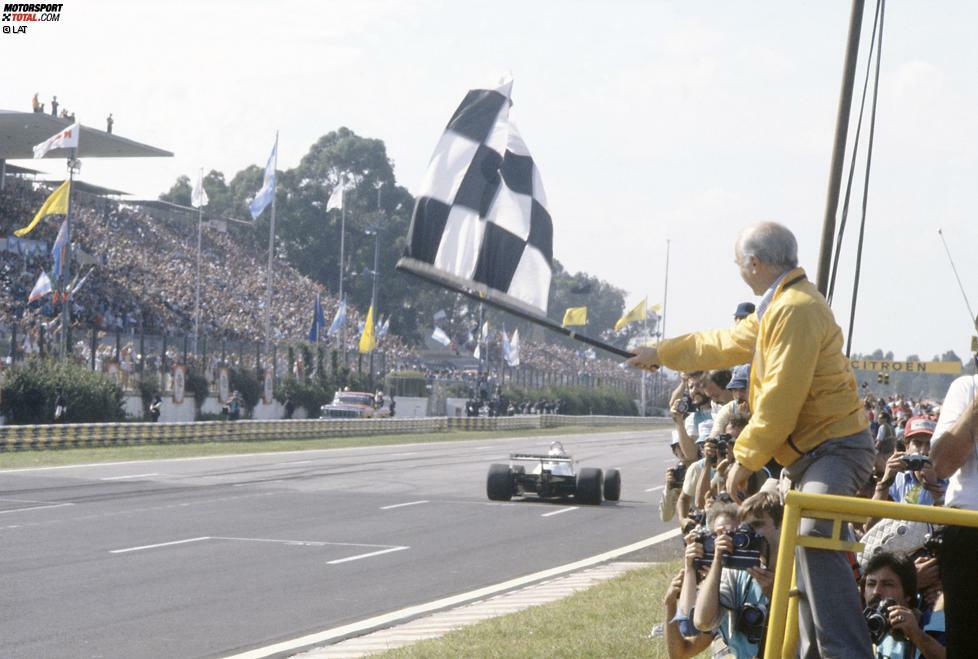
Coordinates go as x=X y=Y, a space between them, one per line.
x=581 y=400
x=32 y=388
x=406 y=383
x=149 y=389
x=310 y=395
x=245 y=382
x=196 y=383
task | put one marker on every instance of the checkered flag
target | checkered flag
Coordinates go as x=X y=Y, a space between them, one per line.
x=482 y=214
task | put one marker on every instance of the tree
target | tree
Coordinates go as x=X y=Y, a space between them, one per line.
x=180 y=192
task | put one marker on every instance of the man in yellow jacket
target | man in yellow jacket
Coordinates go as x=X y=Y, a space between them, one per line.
x=806 y=414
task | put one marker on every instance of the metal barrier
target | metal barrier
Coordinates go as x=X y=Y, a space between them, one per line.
x=782 y=631
x=90 y=435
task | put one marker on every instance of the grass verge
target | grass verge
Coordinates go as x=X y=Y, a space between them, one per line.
x=613 y=619
x=47 y=458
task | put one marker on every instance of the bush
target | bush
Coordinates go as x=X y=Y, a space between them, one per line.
x=581 y=400
x=32 y=388
x=407 y=383
x=149 y=389
x=196 y=383
x=245 y=382
x=309 y=395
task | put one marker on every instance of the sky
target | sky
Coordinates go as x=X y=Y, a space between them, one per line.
x=651 y=123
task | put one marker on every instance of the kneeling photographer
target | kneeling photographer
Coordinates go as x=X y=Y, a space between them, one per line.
x=889 y=590
x=736 y=593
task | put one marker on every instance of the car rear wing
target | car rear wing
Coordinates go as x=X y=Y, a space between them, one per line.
x=534 y=457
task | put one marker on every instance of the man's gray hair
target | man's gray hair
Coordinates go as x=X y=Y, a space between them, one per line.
x=769 y=242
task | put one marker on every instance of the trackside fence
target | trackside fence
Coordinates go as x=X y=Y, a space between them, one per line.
x=782 y=630
x=88 y=435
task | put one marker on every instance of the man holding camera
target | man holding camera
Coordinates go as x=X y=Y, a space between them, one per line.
x=909 y=476
x=806 y=413
x=889 y=589
x=744 y=595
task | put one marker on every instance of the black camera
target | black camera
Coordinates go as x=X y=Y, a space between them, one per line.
x=696 y=518
x=877 y=616
x=914 y=462
x=747 y=544
x=933 y=542
x=678 y=474
x=751 y=620
x=685 y=405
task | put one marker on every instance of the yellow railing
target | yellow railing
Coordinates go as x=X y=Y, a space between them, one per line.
x=782 y=628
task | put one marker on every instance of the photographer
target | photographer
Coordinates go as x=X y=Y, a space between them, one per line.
x=734 y=600
x=805 y=412
x=689 y=408
x=677 y=645
x=737 y=386
x=909 y=477
x=675 y=476
x=888 y=589
x=954 y=454
x=705 y=464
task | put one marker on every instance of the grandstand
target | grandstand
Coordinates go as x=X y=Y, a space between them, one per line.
x=140 y=257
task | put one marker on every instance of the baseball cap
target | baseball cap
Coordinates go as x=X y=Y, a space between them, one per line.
x=919 y=425
x=740 y=378
x=744 y=309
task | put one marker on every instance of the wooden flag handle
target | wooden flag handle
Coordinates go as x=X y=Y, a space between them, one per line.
x=482 y=293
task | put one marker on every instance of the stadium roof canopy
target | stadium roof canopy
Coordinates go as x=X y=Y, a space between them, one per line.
x=90 y=188
x=21 y=131
x=20 y=171
x=161 y=205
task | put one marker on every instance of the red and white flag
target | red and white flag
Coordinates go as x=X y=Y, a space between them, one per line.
x=66 y=139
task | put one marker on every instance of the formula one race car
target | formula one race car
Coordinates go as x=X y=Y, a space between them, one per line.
x=551 y=476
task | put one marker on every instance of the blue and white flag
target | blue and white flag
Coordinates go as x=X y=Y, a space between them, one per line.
x=318 y=320
x=506 y=346
x=383 y=327
x=514 y=350
x=339 y=320
x=264 y=196
x=59 y=251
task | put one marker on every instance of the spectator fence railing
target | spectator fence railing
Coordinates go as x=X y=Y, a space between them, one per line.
x=90 y=435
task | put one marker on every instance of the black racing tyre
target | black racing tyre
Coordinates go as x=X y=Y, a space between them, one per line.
x=499 y=484
x=589 y=481
x=612 y=485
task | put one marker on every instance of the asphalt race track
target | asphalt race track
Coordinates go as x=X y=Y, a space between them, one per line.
x=212 y=556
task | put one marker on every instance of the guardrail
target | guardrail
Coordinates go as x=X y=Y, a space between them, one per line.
x=90 y=435
x=782 y=629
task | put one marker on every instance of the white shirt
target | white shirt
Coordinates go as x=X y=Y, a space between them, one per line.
x=962 y=490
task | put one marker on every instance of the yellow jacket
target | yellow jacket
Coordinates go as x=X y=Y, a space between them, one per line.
x=802 y=389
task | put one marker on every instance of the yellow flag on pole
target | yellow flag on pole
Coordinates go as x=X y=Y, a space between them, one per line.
x=367 y=340
x=640 y=312
x=575 y=316
x=55 y=204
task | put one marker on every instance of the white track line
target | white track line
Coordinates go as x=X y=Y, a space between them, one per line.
x=294 y=462
x=119 y=478
x=401 y=455
x=402 y=505
x=162 y=544
x=359 y=556
x=412 y=611
x=655 y=489
x=557 y=512
x=21 y=510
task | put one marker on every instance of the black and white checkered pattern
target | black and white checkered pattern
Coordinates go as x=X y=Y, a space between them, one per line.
x=482 y=213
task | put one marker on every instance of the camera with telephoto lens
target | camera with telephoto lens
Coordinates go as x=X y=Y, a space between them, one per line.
x=751 y=620
x=877 y=616
x=677 y=474
x=747 y=544
x=914 y=462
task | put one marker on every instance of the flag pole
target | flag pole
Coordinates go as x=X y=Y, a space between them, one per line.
x=66 y=268
x=342 y=245
x=200 y=219
x=271 y=254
